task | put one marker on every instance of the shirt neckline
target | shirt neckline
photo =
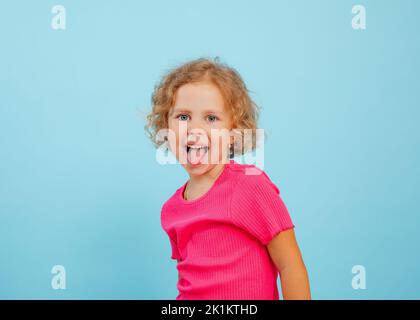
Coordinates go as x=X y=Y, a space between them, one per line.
x=231 y=162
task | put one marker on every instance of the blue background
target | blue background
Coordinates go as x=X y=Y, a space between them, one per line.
x=79 y=184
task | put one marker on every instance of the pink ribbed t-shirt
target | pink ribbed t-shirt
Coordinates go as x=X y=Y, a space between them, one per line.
x=221 y=236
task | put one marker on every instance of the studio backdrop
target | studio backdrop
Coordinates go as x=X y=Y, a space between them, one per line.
x=338 y=83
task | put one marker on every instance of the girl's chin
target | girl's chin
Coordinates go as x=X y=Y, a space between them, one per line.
x=197 y=169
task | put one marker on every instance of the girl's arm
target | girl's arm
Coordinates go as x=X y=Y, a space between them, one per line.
x=286 y=255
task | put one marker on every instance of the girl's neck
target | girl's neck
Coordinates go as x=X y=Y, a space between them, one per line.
x=201 y=183
x=209 y=176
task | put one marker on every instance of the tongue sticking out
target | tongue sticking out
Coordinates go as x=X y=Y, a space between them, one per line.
x=196 y=155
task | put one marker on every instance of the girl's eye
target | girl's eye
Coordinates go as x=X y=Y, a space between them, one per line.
x=212 y=118
x=183 y=117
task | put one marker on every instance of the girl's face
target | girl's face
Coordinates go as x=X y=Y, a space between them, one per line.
x=198 y=113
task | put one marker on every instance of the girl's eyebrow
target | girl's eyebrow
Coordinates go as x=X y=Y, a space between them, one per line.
x=180 y=109
x=177 y=109
x=212 y=111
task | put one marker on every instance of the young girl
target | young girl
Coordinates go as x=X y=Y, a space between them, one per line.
x=227 y=225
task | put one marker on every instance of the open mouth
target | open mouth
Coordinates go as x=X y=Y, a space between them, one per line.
x=196 y=153
x=196 y=148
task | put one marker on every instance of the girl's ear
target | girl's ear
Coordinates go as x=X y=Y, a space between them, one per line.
x=231 y=151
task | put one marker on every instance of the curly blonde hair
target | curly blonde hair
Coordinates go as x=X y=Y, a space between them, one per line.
x=244 y=112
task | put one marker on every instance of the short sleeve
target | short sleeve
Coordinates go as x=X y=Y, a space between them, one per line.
x=175 y=252
x=257 y=208
x=165 y=222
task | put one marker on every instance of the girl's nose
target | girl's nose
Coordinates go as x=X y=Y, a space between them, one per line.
x=194 y=124
x=196 y=135
x=195 y=127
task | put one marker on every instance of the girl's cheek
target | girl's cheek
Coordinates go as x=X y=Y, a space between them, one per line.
x=218 y=152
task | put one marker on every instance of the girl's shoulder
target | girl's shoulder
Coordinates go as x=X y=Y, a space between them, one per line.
x=172 y=201
x=250 y=177
x=243 y=168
